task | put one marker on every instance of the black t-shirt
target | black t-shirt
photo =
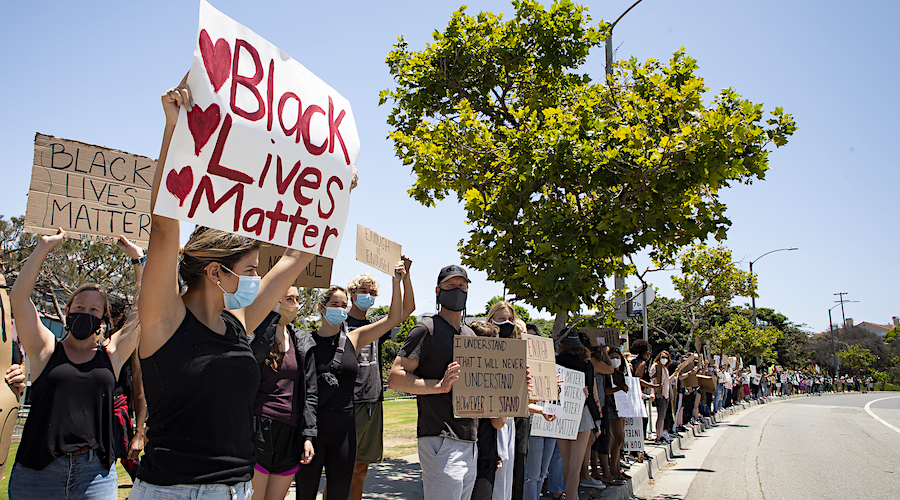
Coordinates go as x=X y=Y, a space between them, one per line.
x=200 y=389
x=342 y=398
x=368 y=388
x=434 y=351
x=71 y=408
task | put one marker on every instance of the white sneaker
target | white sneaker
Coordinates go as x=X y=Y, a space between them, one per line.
x=591 y=483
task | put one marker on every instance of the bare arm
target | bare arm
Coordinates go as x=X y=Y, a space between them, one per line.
x=409 y=299
x=498 y=422
x=601 y=367
x=37 y=340
x=140 y=408
x=273 y=286
x=365 y=335
x=122 y=346
x=402 y=378
x=161 y=307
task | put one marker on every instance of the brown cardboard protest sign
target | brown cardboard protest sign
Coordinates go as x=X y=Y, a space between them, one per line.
x=492 y=381
x=9 y=401
x=541 y=363
x=92 y=192
x=376 y=250
x=316 y=275
x=609 y=335
x=707 y=383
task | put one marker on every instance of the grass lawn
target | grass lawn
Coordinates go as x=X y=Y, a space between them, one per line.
x=399 y=440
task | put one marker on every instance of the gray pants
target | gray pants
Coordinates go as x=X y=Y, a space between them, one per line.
x=448 y=468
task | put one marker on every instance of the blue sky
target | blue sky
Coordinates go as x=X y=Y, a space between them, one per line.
x=94 y=71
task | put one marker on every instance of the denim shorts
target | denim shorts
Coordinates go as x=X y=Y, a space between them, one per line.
x=73 y=477
x=147 y=491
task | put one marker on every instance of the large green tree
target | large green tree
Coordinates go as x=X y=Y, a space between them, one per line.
x=559 y=175
x=738 y=337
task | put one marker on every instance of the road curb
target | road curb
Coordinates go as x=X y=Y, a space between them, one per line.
x=658 y=456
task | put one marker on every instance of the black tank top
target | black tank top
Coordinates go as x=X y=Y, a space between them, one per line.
x=72 y=407
x=200 y=388
x=342 y=398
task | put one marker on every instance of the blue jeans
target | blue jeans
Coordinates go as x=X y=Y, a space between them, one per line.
x=69 y=477
x=537 y=463
x=142 y=491
x=556 y=482
x=720 y=396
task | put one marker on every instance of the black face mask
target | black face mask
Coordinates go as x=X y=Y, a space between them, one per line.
x=83 y=325
x=506 y=330
x=453 y=300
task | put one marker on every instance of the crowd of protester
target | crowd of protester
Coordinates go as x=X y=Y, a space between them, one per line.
x=231 y=400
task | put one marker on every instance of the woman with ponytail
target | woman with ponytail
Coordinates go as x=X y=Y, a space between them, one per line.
x=200 y=375
x=67 y=442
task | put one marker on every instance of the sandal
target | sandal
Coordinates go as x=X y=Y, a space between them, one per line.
x=613 y=482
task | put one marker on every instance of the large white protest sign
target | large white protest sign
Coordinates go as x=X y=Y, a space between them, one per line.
x=568 y=415
x=267 y=150
x=630 y=403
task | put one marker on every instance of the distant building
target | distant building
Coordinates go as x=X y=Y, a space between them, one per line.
x=876 y=328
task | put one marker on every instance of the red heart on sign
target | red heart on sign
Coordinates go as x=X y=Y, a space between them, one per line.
x=216 y=59
x=202 y=123
x=180 y=184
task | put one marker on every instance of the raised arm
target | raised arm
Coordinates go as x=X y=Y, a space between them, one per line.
x=161 y=308
x=409 y=299
x=365 y=335
x=37 y=340
x=122 y=346
x=274 y=286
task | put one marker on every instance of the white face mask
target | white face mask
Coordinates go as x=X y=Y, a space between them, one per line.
x=616 y=363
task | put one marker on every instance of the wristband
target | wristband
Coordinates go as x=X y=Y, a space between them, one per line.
x=140 y=260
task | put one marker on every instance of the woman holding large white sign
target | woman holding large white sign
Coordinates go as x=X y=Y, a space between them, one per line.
x=200 y=376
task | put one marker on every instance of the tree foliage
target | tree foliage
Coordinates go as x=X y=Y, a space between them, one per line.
x=738 y=337
x=857 y=359
x=561 y=176
x=709 y=280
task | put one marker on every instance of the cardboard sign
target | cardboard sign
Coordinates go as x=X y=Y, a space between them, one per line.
x=316 y=275
x=570 y=406
x=599 y=335
x=268 y=149
x=9 y=401
x=541 y=363
x=707 y=383
x=634 y=434
x=492 y=380
x=752 y=370
x=376 y=250
x=92 y=192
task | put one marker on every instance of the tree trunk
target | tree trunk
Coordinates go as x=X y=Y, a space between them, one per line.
x=559 y=323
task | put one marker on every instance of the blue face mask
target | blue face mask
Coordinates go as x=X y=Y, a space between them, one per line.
x=248 y=288
x=335 y=315
x=364 y=301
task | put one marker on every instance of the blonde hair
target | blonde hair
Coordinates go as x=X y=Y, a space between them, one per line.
x=520 y=325
x=206 y=246
x=91 y=287
x=363 y=279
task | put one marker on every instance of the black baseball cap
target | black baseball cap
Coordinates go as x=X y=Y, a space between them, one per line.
x=451 y=271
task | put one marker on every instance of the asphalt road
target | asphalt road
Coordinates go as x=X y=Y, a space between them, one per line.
x=826 y=447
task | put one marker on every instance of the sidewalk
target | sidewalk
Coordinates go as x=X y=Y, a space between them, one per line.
x=400 y=478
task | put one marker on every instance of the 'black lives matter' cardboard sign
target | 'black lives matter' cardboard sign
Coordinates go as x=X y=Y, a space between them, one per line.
x=492 y=380
x=92 y=192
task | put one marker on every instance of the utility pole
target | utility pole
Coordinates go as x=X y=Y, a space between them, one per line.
x=843 y=316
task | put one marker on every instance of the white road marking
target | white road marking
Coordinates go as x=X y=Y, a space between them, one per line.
x=879 y=419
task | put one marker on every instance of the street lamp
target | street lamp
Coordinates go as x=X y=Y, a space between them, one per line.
x=753 y=297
